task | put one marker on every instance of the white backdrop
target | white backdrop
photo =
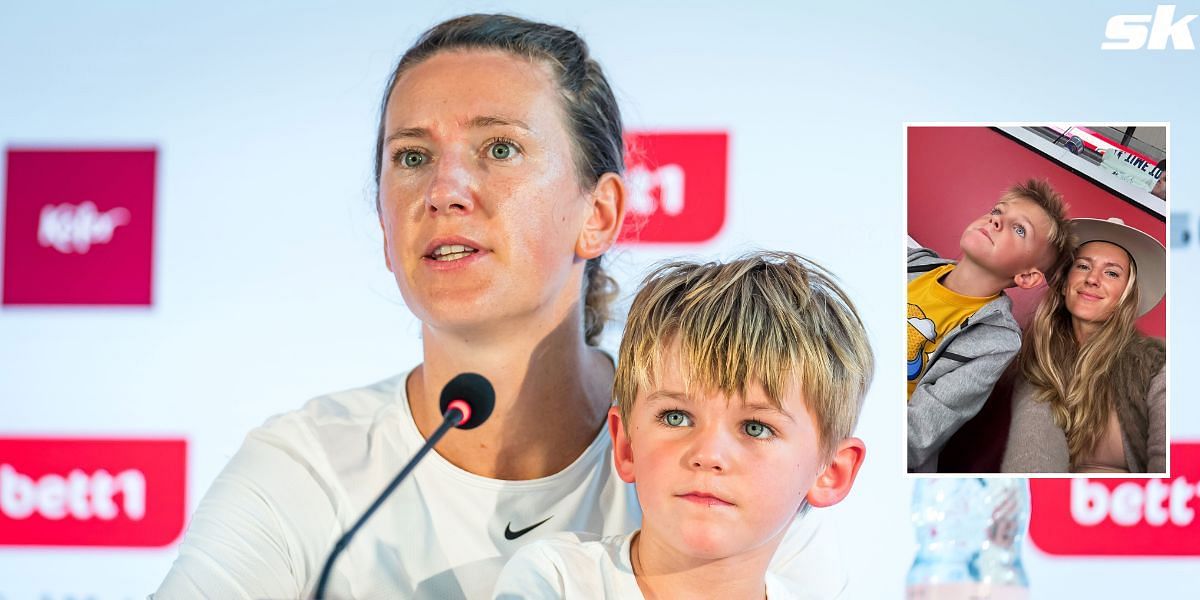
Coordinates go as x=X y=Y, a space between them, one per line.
x=269 y=282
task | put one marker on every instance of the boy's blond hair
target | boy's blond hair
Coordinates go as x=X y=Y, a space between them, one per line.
x=1059 y=242
x=772 y=318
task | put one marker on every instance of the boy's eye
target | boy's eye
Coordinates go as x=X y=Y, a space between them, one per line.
x=1020 y=230
x=675 y=418
x=995 y=211
x=758 y=430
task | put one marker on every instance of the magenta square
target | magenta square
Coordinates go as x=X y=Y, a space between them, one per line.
x=79 y=226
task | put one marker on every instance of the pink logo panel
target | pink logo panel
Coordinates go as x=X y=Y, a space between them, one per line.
x=78 y=227
x=676 y=186
x=1121 y=517
x=92 y=492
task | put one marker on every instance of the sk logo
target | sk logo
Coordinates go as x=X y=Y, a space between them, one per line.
x=1130 y=32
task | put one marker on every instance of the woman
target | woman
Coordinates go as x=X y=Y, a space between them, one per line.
x=1094 y=391
x=498 y=168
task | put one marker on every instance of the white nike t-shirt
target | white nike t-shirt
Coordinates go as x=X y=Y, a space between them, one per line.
x=581 y=566
x=267 y=524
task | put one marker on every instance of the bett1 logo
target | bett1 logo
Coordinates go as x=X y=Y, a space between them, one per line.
x=92 y=492
x=676 y=186
x=1152 y=32
x=1121 y=517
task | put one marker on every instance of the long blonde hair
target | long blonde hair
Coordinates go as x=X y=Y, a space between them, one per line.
x=1080 y=382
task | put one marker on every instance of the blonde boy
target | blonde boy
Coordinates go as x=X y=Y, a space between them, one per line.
x=961 y=330
x=738 y=388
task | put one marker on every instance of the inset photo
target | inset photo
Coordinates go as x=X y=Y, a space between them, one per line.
x=1036 y=308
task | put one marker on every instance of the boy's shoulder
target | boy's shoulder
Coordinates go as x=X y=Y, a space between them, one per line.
x=921 y=260
x=567 y=565
x=997 y=313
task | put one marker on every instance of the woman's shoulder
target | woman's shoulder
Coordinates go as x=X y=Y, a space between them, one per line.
x=1143 y=359
x=1149 y=349
x=1036 y=444
x=338 y=423
x=358 y=405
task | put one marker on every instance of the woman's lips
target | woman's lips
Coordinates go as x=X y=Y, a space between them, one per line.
x=1087 y=296
x=444 y=244
x=458 y=261
x=452 y=253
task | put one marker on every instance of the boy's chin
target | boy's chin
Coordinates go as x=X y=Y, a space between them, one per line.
x=973 y=246
x=716 y=543
x=980 y=258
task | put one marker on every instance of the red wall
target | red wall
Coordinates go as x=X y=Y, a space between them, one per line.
x=955 y=174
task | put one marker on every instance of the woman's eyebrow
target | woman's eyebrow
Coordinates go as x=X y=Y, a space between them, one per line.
x=407 y=132
x=1108 y=263
x=475 y=123
x=493 y=120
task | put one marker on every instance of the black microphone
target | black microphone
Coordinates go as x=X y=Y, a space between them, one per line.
x=467 y=401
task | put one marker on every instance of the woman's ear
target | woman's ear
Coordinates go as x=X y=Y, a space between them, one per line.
x=622 y=449
x=387 y=251
x=603 y=225
x=834 y=483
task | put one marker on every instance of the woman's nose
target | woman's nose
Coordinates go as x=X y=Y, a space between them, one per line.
x=450 y=191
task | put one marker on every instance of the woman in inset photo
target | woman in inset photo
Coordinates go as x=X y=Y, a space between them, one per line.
x=1091 y=395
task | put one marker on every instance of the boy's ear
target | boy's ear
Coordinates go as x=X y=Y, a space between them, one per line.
x=603 y=224
x=622 y=449
x=834 y=483
x=1029 y=279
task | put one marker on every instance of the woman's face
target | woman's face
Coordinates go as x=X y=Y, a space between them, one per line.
x=479 y=199
x=1096 y=281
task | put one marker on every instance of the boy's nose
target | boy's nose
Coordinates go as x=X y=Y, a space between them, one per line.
x=709 y=452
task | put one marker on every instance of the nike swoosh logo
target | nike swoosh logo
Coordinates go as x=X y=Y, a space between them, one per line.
x=509 y=534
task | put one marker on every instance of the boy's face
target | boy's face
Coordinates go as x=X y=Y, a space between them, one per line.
x=716 y=476
x=1010 y=239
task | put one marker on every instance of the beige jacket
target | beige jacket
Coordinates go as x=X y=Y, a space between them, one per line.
x=1037 y=445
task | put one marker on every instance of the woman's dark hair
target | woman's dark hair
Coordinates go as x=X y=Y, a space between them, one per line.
x=593 y=119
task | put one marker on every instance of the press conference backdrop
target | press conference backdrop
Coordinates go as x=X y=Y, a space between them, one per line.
x=190 y=244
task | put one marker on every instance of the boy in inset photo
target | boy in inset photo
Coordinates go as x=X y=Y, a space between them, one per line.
x=961 y=330
x=738 y=388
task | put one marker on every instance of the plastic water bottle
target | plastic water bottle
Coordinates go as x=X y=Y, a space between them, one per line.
x=969 y=534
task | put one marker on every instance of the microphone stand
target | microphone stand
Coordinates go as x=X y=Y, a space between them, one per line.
x=453 y=417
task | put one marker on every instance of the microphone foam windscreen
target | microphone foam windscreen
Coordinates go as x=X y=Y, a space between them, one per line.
x=475 y=390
